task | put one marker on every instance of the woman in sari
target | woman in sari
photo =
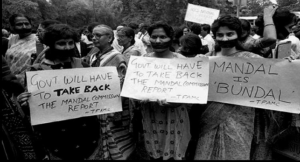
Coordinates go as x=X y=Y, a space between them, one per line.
x=71 y=139
x=166 y=126
x=20 y=46
x=116 y=134
x=226 y=130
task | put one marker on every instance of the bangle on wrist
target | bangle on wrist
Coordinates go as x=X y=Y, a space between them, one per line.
x=268 y=24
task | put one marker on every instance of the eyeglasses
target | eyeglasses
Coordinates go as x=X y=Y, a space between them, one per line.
x=98 y=35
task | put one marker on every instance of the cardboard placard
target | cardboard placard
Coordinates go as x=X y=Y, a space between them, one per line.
x=201 y=15
x=177 y=80
x=271 y=84
x=58 y=95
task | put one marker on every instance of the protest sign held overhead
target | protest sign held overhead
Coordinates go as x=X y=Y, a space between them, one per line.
x=176 y=80
x=59 y=95
x=201 y=15
x=262 y=83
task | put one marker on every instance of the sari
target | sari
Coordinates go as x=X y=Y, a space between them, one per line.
x=19 y=54
x=166 y=129
x=226 y=130
x=116 y=128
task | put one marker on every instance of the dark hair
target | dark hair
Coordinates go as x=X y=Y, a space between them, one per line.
x=167 y=28
x=206 y=28
x=259 y=23
x=14 y=16
x=178 y=33
x=91 y=26
x=245 y=25
x=282 y=18
x=192 y=43
x=123 y=24
x=47 y=23
x=129 y=32
x=59 y=31
x=196 y=28
x=81 y=30
x=144 y=26
x=134 y=26
x=231 y=22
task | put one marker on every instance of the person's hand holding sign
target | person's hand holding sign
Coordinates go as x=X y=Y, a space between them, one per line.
x=23 y=98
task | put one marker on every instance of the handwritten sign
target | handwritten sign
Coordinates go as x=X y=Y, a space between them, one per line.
x=202 y=15
x=58 y=95
x=176 y=80
x=271 y=84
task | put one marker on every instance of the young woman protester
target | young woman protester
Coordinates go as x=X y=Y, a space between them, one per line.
x=71 y=139
x=166 y=126
x=126 y=39
x=226 y=130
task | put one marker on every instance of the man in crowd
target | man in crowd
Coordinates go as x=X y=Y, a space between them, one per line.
x=115 y=43
x=145 y=38
x=196 y=29
x=205 y=33
x=138 y=43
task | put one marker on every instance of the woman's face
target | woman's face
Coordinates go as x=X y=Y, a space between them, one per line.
x=123 y=39
x=64 y=49
x=224 y=34
x=101 y=38
x=159 y=40
x=226 y=38
x=22 y=26
x=64 y=44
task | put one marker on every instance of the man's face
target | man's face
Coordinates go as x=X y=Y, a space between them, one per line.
x=203 y=33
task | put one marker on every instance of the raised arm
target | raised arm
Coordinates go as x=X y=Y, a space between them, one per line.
x=269 y=36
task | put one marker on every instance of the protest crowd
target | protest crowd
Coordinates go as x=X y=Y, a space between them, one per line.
x=147 y=128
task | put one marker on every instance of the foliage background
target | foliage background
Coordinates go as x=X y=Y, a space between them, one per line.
x=79 y=13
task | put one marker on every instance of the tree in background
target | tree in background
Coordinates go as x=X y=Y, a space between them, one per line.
x=79 y=13
x=27 y=7
x=292 y=5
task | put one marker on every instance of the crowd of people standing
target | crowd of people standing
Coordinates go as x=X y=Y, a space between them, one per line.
x=179 y=131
